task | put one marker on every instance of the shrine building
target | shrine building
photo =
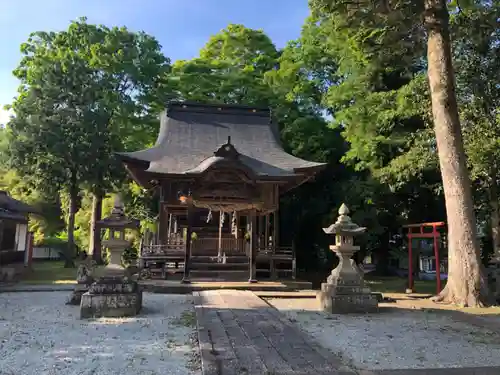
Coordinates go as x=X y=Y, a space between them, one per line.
x=219 y=171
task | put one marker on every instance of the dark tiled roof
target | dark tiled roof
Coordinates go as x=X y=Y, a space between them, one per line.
x=10 y=204
x=14 y=216
x=190 y=133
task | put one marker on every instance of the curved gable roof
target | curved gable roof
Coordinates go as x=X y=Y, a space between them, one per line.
x=191 y=133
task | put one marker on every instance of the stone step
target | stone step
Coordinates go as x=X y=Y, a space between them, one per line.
x=222 y=275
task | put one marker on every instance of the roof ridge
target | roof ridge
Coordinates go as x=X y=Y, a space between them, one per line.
x=194 y=107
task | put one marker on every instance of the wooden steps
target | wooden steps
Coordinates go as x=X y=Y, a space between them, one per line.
x=219 y=275
x=236 y=268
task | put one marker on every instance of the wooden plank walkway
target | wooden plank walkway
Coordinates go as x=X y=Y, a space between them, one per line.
x=239 y=333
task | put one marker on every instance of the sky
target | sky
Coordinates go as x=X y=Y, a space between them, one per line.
x=181 y=26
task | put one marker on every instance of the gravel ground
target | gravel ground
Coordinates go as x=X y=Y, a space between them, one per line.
x=399 y=339
x=41 y=335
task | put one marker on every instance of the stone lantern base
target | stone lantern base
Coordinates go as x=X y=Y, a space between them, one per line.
x=114 y=294
x=81 y=288
x=344 y=291
x=342 y=298
x=111 y=296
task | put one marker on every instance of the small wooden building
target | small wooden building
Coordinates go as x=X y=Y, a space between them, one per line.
x=13 y=229
x=219 y=171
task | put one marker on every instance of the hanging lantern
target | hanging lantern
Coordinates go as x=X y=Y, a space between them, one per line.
x=183 y=197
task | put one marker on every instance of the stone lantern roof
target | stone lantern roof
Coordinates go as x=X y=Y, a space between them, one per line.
x=117 y=218
x=344 y=224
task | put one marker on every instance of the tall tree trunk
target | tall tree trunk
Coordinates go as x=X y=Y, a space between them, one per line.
x=95 y=233
x=73 y=202
x=466 y=284
x=495 y=218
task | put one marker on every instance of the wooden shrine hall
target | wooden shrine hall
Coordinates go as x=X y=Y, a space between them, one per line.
x=219 y=171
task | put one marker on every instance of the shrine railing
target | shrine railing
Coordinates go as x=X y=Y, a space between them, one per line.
x=284 y=256
x=168 y=250
x=209 y=245
x=281 y=252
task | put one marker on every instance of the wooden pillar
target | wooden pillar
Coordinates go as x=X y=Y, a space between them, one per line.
x=170 y=222
x=410 y=263
x=163 y=219
x=260 y=232
x=266 y=231
x=435 y=235
x=219 y=249
x=29 y=249
x=272 y=265
x=165 y=216
x=187 y=253
x=276 y=234
x=253 y=247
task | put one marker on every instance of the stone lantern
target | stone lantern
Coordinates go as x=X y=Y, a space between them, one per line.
x=115 y=293
x=344 y=290
x=115 y=241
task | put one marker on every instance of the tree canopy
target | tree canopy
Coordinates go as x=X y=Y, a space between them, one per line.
x=360 y=88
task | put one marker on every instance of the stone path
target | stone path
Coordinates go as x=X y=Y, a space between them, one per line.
x=239 y=333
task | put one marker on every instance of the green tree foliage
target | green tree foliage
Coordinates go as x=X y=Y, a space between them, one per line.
x=47 y=145
x=477 y=61
x=397 y=24
x=325 y=71
x=230 y=69
x=85 y=93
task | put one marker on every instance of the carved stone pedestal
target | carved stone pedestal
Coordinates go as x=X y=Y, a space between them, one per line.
x=344 y=290
x=111 y=297
x=76 y=295
x=115 y=294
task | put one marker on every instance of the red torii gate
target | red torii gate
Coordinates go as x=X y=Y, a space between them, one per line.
x=420 y=233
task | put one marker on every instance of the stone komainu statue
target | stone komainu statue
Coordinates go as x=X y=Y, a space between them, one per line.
x=85 y=271
x=84 y=277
